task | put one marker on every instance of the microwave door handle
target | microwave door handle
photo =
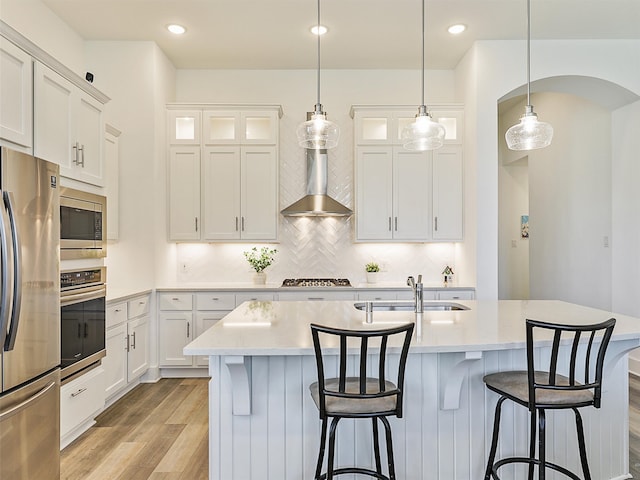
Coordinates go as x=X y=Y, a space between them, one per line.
x=4 y=280
x=17 y=274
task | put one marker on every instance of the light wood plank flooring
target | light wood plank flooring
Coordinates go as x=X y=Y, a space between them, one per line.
x=159 y=432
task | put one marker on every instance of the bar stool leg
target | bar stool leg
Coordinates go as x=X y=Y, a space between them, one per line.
x=390 y=462
x=323 y=440
x=541 y=446
x=581 y=445
x=532 y=441
x=332 y=447
x=376 y=445
x=494 y=439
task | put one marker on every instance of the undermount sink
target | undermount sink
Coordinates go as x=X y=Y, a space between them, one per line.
x=409 y=306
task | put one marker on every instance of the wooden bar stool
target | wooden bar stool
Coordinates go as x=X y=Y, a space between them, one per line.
x=360 y=396
x=542 y=390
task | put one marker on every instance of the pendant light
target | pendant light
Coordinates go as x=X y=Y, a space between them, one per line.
x=424 y=133
x=318 y=132
x=530 y=133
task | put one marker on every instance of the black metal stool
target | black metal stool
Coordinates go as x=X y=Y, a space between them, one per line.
x=542 y=390
x=360 y=396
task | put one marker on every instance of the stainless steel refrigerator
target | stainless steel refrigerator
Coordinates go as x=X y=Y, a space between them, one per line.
x=29 y=318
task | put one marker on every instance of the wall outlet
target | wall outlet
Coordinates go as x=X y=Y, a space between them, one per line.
x=184 y=267
x=605 y=241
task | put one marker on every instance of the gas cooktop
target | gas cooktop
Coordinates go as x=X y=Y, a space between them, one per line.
x=316 y=282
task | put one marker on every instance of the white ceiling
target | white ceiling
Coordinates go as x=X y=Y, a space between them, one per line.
x=274 y=34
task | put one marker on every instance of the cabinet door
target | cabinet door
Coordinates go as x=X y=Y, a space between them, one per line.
x=259 y=193
x=184 y=193
x=115 y=363
x=411 y=193
x=175 y=331
x=447 y=193
x=16 y=95
x=221 y=127
x=183 y=127
x=204 y=321
x=259 y=127
x=374 y=195
x=221 y=193
x=138 y=358
x=453 y=123
x=54 y=134
x=374 y=128
x=89 y=137
x=111 y=180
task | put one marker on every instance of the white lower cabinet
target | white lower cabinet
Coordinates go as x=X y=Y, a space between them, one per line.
x=405 y=294
x=316 y=295
x=80 y=401
x=127 y=344
x=456 y=294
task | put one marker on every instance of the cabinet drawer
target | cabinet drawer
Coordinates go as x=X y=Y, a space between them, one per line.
x=116 y=314
x=215 y=301
x=250 y=297
x=80 y=399
x=455 y=295
x=138 y=306
x=176 y=301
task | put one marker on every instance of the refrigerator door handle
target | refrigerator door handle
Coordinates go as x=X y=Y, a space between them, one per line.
x=25 y=404
x=4 y=281
x=17 y=274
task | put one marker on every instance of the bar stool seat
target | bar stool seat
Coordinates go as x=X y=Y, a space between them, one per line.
x=361 y=396
x=539 y=390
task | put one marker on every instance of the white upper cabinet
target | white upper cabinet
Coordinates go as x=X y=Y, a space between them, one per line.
x=68 y=127
x=401 y=195
x=237 y=176
x=16 y=97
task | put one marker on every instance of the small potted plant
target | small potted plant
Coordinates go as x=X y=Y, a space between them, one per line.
x=372 y=269
x=448 y=276
x=259 y=260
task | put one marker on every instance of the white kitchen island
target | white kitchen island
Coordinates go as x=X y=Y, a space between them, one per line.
x=263 y=424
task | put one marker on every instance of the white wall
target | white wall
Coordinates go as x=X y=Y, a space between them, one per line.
x=490 y=70
x=35 y=21
x=320 y=247
x=140 y=80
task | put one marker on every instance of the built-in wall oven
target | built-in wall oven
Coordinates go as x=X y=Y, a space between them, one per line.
x=82 y=308
x=82 y=224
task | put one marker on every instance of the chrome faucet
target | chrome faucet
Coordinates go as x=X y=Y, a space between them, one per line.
x=417 y=293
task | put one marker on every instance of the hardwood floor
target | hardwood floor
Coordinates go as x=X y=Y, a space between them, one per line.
x=157 y=432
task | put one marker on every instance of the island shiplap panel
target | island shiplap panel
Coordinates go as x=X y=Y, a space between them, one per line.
x=280 y=439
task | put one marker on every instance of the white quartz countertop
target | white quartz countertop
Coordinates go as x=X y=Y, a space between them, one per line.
x=282 y=328
x=248 y=286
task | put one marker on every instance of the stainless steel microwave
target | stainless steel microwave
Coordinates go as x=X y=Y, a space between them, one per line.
x=83 y=227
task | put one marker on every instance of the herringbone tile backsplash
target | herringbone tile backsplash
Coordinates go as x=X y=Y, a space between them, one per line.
x=315 y=247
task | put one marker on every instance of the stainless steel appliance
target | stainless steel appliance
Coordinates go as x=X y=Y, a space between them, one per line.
x=316 y=282
x=83 y=226
x=82 y=319
x=29 y=318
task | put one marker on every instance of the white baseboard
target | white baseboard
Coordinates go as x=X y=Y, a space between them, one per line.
x=184 y=372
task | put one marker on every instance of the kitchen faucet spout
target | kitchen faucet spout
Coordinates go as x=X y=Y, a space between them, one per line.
x=417 y=293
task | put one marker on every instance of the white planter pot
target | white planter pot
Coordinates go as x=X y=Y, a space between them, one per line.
x=372 y=277
x=260 y=278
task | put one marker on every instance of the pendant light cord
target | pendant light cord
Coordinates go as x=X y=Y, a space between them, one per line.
x=318 y=108
x=422 y=76
x=528 y=52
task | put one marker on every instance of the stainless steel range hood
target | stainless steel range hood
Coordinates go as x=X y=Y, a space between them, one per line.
x=316 y=203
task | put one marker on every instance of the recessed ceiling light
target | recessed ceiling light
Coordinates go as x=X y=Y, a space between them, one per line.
x=319 y=29
x=177 y=29
x=456 y=29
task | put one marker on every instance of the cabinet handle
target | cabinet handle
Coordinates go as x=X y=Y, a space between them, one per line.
x=236 y=224
x=243 y=224
x=175 y=299
x=436 y=219
x=142 y=303
x=79 y=331
x=75 y=153
x=315 y=298
x=81 y=163
x=117 y=310
x=133 y=343
x=396 y=221
x=215 y=298
x=389 y=223
x=126 y=343
x=188 y=326
x=80 y=390
x=196 y=219
x=86 y=330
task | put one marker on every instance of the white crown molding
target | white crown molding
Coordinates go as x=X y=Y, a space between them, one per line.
x=43 y=57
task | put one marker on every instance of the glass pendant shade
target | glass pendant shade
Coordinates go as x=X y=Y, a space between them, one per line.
x=530 y=133
x=318 y=132
x=423 y=134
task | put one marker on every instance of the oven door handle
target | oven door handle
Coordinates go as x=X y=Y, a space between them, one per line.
x=91 y=293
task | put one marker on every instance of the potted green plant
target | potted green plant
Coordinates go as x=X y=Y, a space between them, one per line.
x=259 y=260
x=372 y=269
